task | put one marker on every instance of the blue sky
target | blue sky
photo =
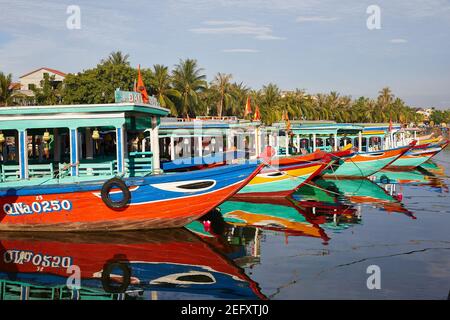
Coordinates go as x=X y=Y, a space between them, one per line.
x=316 y=45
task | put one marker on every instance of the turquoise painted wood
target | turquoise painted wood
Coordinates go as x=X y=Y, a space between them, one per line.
x=410 y=162
x=40 y=170
x=361 y=168
x=10 y=172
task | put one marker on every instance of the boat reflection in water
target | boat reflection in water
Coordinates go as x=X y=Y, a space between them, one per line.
x=429 y=175
x=366 y=192
x=210 y=258
x=129 y=265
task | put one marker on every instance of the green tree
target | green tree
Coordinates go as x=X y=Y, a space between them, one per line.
x=97 y=85
x=5 y=88
x=160 y=83
x=117 y=58
x=189 y=80
x=240 y=92
x=222 y=89
x=49 y=92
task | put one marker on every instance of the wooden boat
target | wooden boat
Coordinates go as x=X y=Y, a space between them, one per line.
x=285 y=175
x=117 y=266
x=364 y=164
x=160 y=201
x=92 y=191
x=418 y=155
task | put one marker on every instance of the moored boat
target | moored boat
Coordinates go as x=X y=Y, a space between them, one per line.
x=88 y=167
x=285 y=175
x=364 y=164
x=418 y=155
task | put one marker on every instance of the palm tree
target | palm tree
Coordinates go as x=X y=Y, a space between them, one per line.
x=5 y=88
x=221 y=85
x=240 y=92
x=189 y=81
x=269 y=97
x=385 y=97
x=118 y=58
x=160 y=82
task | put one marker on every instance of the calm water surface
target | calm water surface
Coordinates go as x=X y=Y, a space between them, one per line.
x=317 y=244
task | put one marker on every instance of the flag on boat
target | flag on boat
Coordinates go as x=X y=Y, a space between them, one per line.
x=390 y=125
x=257 y=115
x=141 y=87
x=248 y=108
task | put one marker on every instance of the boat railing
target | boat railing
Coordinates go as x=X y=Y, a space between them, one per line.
x=9 y=172
x=139 y=164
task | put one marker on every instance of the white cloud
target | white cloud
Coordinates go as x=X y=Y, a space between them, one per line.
x=316 y=19
x=240 y=50
x=398 y=40
x=230 y=27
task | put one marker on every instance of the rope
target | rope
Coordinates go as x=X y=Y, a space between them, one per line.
x=328 y=165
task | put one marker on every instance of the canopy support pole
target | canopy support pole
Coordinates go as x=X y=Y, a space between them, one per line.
x=155 y=145
x=120 y=149
x=74 y=157
x=23 y=154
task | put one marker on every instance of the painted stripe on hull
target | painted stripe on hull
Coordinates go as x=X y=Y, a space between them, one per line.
x=368 y=163
x=411 y=161
x=362 y=168
x=282 y=185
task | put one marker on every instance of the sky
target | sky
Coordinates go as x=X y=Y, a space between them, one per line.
x=315 y=45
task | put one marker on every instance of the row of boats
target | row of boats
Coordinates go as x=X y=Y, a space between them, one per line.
x=124 y=195
x=206 y=259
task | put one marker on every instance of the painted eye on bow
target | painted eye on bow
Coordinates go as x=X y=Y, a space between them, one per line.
x=192 y=277
x=186 y=186
x=197 y=185
x=379 y=154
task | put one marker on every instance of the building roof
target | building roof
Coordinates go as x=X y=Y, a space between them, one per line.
x=14 y=86
x=62 y=74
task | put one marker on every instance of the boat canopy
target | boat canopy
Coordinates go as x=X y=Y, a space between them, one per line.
x=207 y=136
x=84 y=141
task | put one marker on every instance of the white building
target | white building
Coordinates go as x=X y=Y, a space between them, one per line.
x=23 y=90
x=425 y=112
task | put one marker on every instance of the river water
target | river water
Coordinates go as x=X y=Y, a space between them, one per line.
x=383 y=238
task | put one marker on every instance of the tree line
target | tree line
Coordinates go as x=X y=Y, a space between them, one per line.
x=187 y=93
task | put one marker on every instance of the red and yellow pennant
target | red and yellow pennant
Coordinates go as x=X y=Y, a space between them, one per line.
x=248 y=108
x=257 y=115
x=141 y=87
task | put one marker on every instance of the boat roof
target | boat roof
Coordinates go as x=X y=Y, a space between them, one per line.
x=319 y=127
x=85 y=108
x=76 y=115
x=185 y=127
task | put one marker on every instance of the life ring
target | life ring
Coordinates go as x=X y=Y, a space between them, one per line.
x=106 y=189
x=111 y=287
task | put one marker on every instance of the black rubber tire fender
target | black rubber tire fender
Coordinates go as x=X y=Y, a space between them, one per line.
x=108 y=286
x=106 y=189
